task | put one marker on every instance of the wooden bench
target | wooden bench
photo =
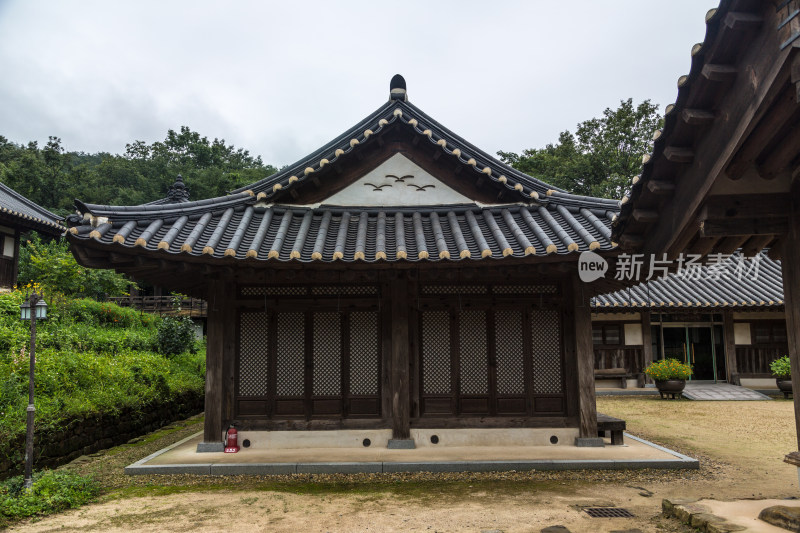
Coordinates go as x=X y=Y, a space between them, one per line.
x=615 y=425
x=621 y=374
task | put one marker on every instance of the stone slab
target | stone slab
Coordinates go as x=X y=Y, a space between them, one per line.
x=589 y=442
x=210 y=447
x=721 y=392
x=401 y=444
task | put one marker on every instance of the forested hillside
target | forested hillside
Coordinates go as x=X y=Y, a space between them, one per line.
x=53 y=176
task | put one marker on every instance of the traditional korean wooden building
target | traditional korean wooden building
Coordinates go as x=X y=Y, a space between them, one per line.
x=17 y=216
x=398 y=277
x=725 y=319
x=725 y=170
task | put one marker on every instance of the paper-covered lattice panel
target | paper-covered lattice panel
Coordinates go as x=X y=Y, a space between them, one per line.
x=290 y=362
x=472 y=350
x=436 y=352
x=546 y=350
x=327 y=354
x=253 y=354
x=364 y=354
x=510 y=353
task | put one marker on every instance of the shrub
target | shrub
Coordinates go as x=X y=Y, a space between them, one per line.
x=668 y=369
x=52 y=491
x=176 y=335
x=781 y=367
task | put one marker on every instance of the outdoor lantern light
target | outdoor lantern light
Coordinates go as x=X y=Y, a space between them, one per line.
x=33 y=308
x=41 y=309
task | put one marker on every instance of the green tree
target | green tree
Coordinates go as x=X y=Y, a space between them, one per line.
x=52 y=265
x=600 y=158
x=53 y=177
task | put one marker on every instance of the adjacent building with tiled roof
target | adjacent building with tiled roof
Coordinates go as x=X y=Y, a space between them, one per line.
x=18 y=215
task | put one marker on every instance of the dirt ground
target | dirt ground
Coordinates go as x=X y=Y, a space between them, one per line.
x=740 y=446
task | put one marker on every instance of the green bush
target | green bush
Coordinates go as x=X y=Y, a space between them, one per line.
x=668 y=369
x=176 y=335
x=781 y=367
x=51 y=492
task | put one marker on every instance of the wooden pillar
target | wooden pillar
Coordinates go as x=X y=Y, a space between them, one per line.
x=401 y=430
x=730 y=347
x=790 y=263
x=219 y=361
x=647 y=344
x=584 y=354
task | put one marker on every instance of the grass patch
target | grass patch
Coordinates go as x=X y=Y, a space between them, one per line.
x=52 y=491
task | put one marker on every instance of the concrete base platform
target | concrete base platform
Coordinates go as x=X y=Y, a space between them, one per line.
x=182 y=458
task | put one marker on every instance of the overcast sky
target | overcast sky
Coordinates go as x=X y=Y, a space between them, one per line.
x=282 y=78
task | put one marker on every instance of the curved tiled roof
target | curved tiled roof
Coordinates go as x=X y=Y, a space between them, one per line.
x=231 y=229
x=28 y=213
x=260 y=222
x=704 y=290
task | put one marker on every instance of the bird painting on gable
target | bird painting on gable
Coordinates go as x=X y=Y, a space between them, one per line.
x=400 y=179
x=420 y=188
x=378 y=188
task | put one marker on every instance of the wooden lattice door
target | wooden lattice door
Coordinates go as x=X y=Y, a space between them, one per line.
x=479 y=359
x=305 y=364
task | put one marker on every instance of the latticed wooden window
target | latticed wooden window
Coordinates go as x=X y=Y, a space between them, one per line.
x=254 y=354
x=436 y=352
x=364 y=353
x=510 y=352
x=327 y=354
x=525 y=289
x=290 y=360
x=546 y=351
x=474 y=371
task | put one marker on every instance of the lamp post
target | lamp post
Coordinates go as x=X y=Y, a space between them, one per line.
x=33 y=308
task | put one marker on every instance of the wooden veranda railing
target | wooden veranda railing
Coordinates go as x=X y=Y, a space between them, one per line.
x=164 y=305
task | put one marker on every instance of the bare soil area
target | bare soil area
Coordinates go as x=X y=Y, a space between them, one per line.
x=740 y=445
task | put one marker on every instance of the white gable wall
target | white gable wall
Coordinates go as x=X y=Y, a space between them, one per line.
x=398 y=181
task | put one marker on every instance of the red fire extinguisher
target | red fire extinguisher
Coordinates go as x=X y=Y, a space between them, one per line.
x=231 y=440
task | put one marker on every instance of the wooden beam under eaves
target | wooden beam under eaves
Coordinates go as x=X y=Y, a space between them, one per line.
x=728 y=245
x=755 y=244
x=661 y=187
x=739 y=21
x=719 y=73
x=676 y=154
x=743 y=227
x=763 y=135
x=731 y=206
x=645 y=215
x=697 y=117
